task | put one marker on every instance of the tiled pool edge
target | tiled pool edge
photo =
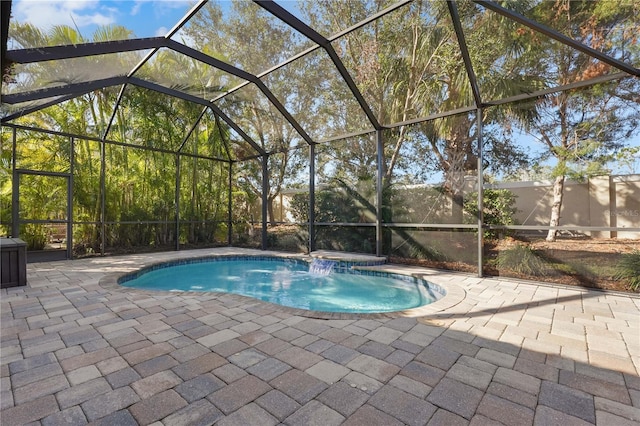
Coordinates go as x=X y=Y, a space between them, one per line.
x=452 y=296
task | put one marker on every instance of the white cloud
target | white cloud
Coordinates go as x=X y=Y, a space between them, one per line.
x=161 y=32
x=146 y=18
x=136 y=8
x=46 y=14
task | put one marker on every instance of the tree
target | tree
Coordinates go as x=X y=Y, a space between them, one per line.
x=408 y=64
x=248 y=37
x=5 y=181
x=85 y=114
x=582 y=129
x=140 y=184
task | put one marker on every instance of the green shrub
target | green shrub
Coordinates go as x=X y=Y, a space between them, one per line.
x=292 y=243
x=299 y=207
x=628 y=268
x=499 y=209
x=522 y=260
x=35 y=235
x=272 y=240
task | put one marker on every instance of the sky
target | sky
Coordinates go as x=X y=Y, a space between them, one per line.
x=147 y=18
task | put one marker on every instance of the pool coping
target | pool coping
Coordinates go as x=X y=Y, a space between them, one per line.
x=454 y=294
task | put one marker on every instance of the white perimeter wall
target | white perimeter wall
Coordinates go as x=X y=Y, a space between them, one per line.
x=606 y=201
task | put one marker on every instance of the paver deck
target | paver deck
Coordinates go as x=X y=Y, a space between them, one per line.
x=74 y=351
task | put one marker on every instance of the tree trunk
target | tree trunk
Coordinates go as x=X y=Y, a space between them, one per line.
x=270 y=211
x=454 y=181
x=558 y=191
x=457 y=207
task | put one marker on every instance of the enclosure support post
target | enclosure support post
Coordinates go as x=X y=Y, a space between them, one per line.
x=480 y=195
x=177 y=202
x=103 y=196
x=230 y=205
x=70 y=199
x=312 y=196
x=15 y=228
x=103 y=183
x=265 y=195
x=380 y=172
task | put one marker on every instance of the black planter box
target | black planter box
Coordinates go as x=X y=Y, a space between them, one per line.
x=13 y=262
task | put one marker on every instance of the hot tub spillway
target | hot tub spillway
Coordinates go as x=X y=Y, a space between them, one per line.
x=324 y=262
x=321 y=266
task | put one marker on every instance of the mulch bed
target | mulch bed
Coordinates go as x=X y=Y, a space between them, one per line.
x=574 y=258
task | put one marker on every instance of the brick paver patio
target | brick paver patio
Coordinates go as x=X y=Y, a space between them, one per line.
x=75 y=352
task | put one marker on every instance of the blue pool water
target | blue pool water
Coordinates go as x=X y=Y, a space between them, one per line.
x=288 y=283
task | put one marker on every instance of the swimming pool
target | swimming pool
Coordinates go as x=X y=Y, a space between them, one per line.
x=288 y=282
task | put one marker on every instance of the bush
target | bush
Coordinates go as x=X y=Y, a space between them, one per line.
x=522 y=260
x=36 y=236
x=299 y=207
x=499 y=209
x=628 y=268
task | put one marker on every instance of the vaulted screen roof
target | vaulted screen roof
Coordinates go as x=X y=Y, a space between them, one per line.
x=310 y=71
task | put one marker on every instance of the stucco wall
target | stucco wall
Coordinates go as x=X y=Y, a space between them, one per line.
x=605 y=201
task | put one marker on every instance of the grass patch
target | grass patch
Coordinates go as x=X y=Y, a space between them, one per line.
x=628 y=268
x=523 y=260
x=427 y=252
